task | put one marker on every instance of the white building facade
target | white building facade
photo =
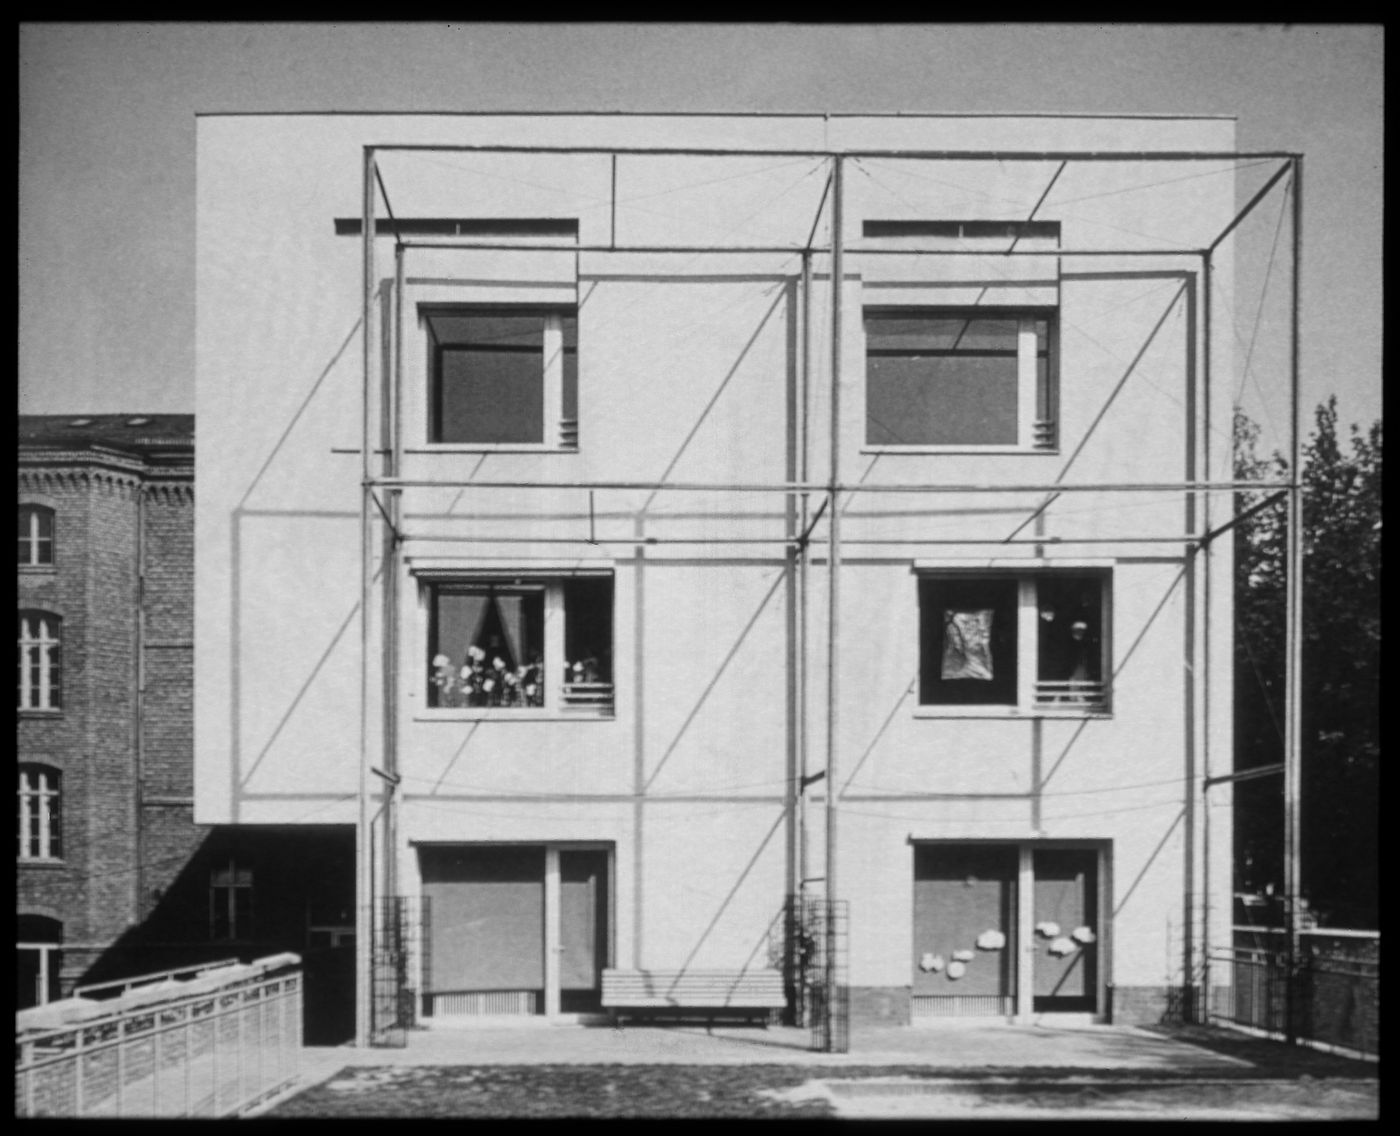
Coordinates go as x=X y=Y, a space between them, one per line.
x=567 y=532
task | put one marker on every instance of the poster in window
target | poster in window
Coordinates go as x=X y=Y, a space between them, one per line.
x=967 y=644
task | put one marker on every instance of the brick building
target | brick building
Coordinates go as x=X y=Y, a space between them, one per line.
x=114 y=878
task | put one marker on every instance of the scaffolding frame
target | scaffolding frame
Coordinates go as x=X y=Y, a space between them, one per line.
x=797 y=544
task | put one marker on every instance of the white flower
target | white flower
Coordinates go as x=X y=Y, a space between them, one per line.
x=1082 y=935
x=991 y=941
x=963 y=956
x=466 y=672
x=476 y=653
x=530 y=689
x=1063 y=945
x=956 y=969
x=441 y=661
x=499 y=663
x=1047 y=930
x=931 y=963
x=489 y=684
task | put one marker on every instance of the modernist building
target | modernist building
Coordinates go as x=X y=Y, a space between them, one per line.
x=114 y=877
x=565 y=531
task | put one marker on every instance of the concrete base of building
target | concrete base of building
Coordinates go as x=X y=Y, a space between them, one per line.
x=880 y=1005
x=1151 y=1005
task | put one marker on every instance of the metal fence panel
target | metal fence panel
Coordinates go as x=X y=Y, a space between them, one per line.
x=213 y=1046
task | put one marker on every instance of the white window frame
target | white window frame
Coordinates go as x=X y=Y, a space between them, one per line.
x=33 y=541
x=1033 y=436
x=40 y=799
x=558 y=702
x=1027 y=704
x=41 y=639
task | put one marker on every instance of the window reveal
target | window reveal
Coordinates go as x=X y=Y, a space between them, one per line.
x=490 y=644
x=978 y=634
x=503 y=376
x=943 y=377
x=231 y=902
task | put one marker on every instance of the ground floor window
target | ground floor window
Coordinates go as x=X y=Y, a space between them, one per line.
x=38 y=959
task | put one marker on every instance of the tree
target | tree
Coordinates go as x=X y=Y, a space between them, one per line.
x=1340 y=670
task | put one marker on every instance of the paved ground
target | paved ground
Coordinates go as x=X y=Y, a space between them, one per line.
x=961 y=1070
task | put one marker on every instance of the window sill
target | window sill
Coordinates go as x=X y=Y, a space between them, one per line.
x=478 y=714
x=490 y=448
x=1028 y=451
x=1011 y=712
x=48 y=863
x=35 y=712
x=38 y=569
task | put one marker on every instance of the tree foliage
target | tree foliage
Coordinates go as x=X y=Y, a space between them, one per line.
x=1340 y=669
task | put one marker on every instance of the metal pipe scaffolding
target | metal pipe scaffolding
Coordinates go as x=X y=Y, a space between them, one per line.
x=833 y=609
x=1293 y=635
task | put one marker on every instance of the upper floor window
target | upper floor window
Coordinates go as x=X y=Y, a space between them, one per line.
x=231 y=901
x=503 y=375
x=40 y=661
x=949 y=377
x=40 y=813
x=35 y=536
x=1028 y=641
x=518 y=644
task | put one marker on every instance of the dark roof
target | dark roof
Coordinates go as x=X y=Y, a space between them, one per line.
x=139 y=432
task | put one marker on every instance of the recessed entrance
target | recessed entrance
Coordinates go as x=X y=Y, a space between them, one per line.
x=1002 y=930
x=514 y=930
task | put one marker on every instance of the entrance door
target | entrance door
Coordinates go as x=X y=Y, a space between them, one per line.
x=583 y=928
x=964 y=898
x=498 y=918
x=1065 y=968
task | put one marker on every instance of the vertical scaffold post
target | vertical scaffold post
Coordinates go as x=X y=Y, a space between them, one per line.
x=833 y=608
x=1293 y=748
x=364 y=887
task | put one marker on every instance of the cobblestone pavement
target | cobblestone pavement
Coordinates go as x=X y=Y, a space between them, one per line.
x=962 y=1071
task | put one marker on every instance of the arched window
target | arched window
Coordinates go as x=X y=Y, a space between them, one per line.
x=35 y=536
x=40 y=661
x=40 y=813
x=37 y=941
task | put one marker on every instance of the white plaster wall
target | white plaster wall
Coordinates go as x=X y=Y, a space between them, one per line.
x=686 y=371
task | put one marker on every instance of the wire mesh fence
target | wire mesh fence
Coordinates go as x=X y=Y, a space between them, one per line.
x=1331 y=989
x=817 y=981
x=396 y=932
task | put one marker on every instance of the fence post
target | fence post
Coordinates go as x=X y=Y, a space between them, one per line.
x=78 y=1071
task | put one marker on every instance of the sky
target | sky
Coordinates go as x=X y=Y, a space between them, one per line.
x=107 y=146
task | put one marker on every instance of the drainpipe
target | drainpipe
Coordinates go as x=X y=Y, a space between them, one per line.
x=139 y=705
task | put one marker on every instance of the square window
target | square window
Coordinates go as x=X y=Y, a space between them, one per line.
x=1033 y=641
x=950 y=377
x=503 y=376
x=513 y=644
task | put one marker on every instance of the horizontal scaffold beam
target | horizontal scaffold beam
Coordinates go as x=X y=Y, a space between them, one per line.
x=816 y=487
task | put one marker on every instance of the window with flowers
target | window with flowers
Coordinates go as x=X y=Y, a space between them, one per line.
x=514 y=644
x=1015 y=640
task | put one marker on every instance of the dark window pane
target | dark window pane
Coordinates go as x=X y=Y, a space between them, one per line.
x=946 y=379
x=1070 y=627
x=967 y=641
x=941 y=401
x=490 y=396
x=588 y=614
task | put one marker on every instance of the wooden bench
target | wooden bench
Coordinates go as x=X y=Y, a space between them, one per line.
x=706 y=993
